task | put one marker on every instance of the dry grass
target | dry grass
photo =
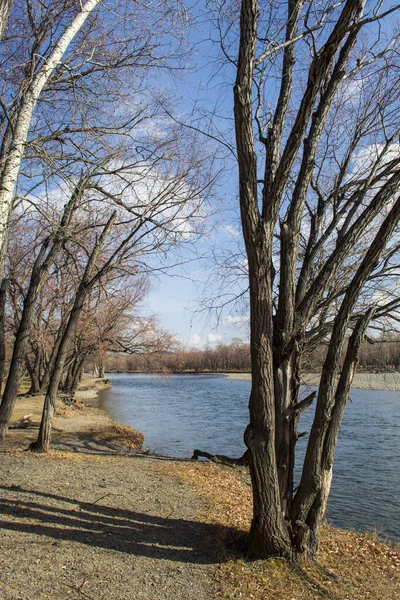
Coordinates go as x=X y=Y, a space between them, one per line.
x=123 y=434
x=351 y=566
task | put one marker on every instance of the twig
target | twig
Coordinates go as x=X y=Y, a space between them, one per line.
x=105 y=496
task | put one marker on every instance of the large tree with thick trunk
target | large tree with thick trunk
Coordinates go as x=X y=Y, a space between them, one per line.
x=315 y=103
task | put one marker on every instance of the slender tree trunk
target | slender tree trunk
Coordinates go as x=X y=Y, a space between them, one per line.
x=32 y=372
x=3 y=300
x=17 y=364
x=42 y=443
x=36 y=371
x=78 y=375
x=100 y=362
x=5 y=6
x=48 y=366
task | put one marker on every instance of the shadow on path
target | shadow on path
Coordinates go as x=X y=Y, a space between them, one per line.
x=141 y=534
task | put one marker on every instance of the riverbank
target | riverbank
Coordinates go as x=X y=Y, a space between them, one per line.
x=78 y=425
x=388 y=380
x=99 y=521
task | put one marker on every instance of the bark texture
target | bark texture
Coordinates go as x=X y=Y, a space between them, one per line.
x=283 y=311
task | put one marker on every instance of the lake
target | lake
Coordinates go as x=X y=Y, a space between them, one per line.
x=179 y=413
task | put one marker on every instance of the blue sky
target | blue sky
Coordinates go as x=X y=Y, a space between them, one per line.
x=174 y=299
x=178 y=297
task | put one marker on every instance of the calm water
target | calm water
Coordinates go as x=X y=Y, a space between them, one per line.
x=179 y=413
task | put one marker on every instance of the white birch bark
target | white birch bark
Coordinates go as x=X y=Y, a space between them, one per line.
x=5 y=6
x=12 y=163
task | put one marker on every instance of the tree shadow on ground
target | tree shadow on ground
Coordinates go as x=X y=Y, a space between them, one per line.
x=93 y=524
x=87 y=443
x=76 y=442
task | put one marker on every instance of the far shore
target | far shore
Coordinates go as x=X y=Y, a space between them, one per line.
x=365 y=380
x=389 y=380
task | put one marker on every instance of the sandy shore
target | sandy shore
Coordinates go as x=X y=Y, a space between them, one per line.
x=367 y=381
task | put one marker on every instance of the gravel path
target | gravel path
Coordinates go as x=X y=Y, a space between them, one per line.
x=100 y=527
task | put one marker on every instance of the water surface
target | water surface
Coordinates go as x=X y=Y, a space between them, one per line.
x=179 y=413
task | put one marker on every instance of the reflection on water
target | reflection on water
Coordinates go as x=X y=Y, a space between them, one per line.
x=181 y=412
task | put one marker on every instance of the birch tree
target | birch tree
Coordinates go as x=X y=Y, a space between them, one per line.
x=316 y=102
x=69 y=68
x=16 y=133
x=5 y=6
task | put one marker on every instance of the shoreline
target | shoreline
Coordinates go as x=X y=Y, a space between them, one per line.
x=365 y=380
x=79 y=425
x=387 y=381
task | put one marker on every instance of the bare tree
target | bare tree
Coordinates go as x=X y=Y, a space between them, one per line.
x=62 y=59
x=90 y=276
x=44 y=261
x=319 y=175
x=17 y=129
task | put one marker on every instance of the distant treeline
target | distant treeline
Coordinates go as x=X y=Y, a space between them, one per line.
x=236 y=357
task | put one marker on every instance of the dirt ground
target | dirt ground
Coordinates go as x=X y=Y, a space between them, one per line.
x=95 y=519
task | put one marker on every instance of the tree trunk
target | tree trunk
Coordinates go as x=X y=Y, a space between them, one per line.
x=100 y=362
x=5 y=6
x=49 y=365
x=270 y=532
x=18 y=365
x=74 y=374
x=3 y=300
x=78 y=376
x=42 y=443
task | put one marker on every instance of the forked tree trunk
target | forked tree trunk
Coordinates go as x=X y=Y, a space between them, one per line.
x=285 y=524
x=40 y=270
x=42 y=443
x=74 y=374
x=306 y=525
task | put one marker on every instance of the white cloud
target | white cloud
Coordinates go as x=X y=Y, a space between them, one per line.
x=196 y=340
x=236 y=319
x=201 y=342
x=213 y=338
